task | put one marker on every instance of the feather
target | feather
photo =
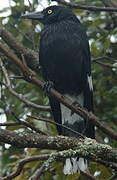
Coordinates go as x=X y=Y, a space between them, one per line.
x=89 y=78
x=75 y=122
x=74 y=165
x=70 y=119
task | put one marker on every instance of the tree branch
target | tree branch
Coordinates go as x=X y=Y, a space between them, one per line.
x=30 y=56
x=90 y=8
x=71 y=147
x=22 y=163
x=86 y=147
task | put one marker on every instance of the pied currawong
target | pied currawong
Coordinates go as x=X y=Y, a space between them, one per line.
x=65 y=59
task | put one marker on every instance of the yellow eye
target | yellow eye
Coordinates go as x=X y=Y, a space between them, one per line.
x=49 y=11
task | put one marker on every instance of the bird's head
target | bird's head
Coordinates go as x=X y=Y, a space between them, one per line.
x=50 y=15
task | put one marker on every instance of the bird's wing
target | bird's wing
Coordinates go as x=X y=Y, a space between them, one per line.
x=88 y=88
x=56 y=111
x=65 y=58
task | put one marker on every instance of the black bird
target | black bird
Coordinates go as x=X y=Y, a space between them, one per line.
x=65 y=59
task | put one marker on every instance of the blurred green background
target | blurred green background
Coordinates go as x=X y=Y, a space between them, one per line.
x=102 y=33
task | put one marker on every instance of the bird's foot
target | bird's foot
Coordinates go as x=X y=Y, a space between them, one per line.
x=28 y=76
x=75 y=103
x=47 y=87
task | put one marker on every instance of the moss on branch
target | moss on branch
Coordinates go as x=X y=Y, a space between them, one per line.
x=69 y=146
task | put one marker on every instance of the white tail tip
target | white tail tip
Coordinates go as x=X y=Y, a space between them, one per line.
x=73 y=165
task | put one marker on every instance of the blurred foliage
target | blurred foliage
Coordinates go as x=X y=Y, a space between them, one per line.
x=102 y=33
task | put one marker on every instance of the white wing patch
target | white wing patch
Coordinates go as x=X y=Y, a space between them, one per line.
x=89 y=78
x=66 y=112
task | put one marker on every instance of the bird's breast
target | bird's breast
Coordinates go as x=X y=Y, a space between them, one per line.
x=60 y=57
x=51 y=37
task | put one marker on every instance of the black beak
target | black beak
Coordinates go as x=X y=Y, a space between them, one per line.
x=34 y=16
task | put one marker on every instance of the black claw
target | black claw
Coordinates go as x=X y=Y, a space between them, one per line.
x=47 y=86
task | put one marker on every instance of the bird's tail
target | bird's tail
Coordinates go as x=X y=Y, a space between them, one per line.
x=74 y=165
x=76 y=123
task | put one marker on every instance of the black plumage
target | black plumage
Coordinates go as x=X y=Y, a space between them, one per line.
x=65 y=59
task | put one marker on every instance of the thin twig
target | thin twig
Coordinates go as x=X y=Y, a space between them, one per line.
x=30 y=4
x=22 y=123
x=27 y=124
x=55 y=123
x=105 y=65
x=104 y=57
x=10 y=124
x=21 y=32
x=97 y=60
x=20 y=96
